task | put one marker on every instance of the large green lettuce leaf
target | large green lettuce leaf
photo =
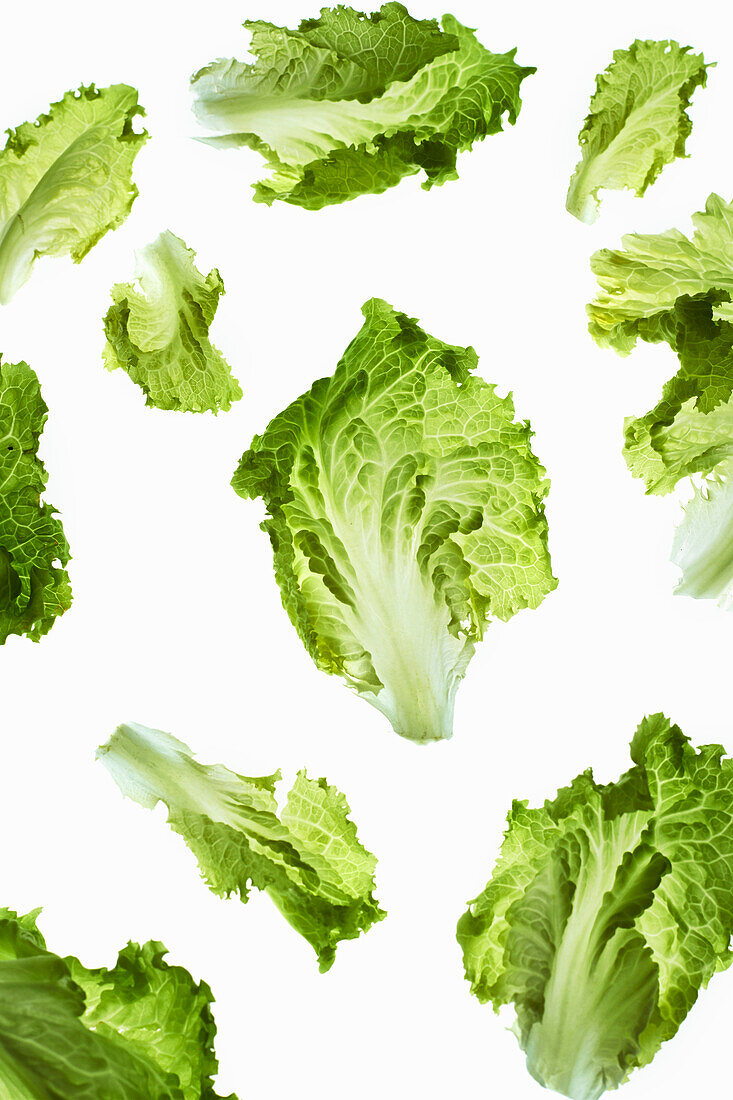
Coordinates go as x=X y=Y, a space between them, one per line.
x=66 y=179
x=306 y=856
x=349 y=104
x=158 y=331
x=669 y=288
x=141 y=1029
x=34 y=585
x=405 y=508
x=637 y=123
x=608 y=910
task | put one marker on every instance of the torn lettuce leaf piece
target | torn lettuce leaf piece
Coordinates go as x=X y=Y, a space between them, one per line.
x=669 y=288
x=703 y=541
x=609 y=908
x=66 y=179
x=405 y=509
x=349 y=104
x=638 y=121
x=642 y=282
x=141 y=1029
x=34 y=584
x=306 y=856
x=158 y=331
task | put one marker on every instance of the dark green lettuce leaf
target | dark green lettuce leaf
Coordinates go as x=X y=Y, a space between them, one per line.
x=34 y=584
x=140 y=1031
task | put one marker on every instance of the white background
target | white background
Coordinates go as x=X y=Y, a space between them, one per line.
x=177 y=621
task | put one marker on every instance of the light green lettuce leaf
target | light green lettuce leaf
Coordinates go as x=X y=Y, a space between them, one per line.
x=638 y=121
x=641 y=282
x=703 y=541
x=405 y=509
x=349 y=104
x=66 y=179
x=162 y=1013
x=141 y=1029
x=669 y=288
x=306 y=856
x=609 y=909
x=158 y=331
x=34 y=584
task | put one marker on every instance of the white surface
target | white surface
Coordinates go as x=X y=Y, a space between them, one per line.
x=177 y=620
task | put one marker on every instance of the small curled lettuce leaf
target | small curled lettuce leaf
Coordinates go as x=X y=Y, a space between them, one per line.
x=638 y=121
x=141 y=1029
x=306 y=856
x=66 y=179
x=34 y=584
x=608 y=910
x=405 y=509
x=350 y=104
x=158 y=331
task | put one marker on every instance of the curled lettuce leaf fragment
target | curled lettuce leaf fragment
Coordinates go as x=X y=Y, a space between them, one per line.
x=638 y=121
x=703 y=541
x=667 y=287
x=405 y=508
x=141 y=1029
x=158 y=331
x=306 y=855
x=66 y=179
x=609 y=908
x=34 y=584
x=349 y=104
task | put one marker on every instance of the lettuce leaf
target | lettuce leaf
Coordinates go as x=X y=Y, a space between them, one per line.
x=34 y=584
x=608 y=910
x=158 y=331
x=306 y=856
x=66 y=179
x=703 y=541
x=349 y=104
x=671 y=288
x=638 y=121
x=405 y=508
x=142 y=1029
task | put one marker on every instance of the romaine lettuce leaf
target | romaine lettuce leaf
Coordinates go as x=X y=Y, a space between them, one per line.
x=141 y=1029
x=405 y=508
x=608 y=910
x=34 y=584
x=66 y=179
x=306 y=856
x=670 y=288
x=158 y=331
x=638 y=121
x=349 y=104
